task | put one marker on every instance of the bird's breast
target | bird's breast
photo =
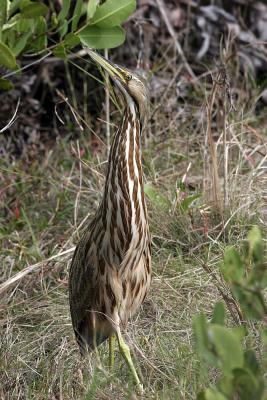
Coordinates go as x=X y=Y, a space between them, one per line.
x=125 y=292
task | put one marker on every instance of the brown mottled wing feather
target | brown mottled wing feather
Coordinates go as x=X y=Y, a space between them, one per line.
x=82 y=291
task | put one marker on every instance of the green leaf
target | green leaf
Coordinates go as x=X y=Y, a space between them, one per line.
x=201 y=396
x=15 y=4
x=34 y=10
x=200 y=327
x=213 y=394
x=186 y=203
x=258 y=276
x=251 y=362
x=76 y=15
x=71 y=40
x=21 y=43
x=102 y=38
x=227 y=348
x=181 y=185
x=10 y=39
x=64 y=10
x=3 y=14
x=91 y=8
x=255 y=244
x=251 y=302
x=240 y=332
x=232 y=268
x=7 y=58
x=60 y=52
x=113 y=12
x=54 y=21
x=225 y=385
x=5 y=84
x=11 y=22
x=218 y=313
x=24 y=25
x=40 y=42
x=246 y=385
x=63 y=28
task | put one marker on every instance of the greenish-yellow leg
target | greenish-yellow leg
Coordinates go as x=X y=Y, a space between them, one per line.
x=125 y=351
x=112 y=339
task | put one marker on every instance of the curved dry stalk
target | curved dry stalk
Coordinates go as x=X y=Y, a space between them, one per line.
x=31 y=268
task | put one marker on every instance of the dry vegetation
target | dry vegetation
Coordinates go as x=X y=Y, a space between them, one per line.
x=207 y=137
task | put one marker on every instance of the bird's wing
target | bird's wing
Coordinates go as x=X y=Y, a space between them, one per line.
x=83 y=284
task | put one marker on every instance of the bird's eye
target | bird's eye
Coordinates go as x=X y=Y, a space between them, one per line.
x=128 y=77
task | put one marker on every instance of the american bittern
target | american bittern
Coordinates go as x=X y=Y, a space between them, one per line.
x=111 y=268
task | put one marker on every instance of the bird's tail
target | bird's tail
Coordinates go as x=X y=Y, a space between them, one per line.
x=88 y=339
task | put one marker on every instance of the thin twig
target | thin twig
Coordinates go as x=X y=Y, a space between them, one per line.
x=213 y=151
x=72 y=109
x=12 y=119
x=27 y=66
x=71 y=86
x=225 y=158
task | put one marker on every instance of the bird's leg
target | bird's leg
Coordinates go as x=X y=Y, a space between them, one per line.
x=111 y=351
x=125 y=351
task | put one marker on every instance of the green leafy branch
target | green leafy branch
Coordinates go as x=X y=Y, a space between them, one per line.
x=223 y=347
x=31 y=27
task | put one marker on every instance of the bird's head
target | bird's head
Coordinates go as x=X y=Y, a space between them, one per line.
x=131 y=85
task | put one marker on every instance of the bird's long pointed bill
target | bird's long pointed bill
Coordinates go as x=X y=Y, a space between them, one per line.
x=113 y=70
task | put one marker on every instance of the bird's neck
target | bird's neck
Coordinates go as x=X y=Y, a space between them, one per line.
x=123 y=208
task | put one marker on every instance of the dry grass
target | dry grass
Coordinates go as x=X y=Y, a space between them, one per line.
x=57 y=193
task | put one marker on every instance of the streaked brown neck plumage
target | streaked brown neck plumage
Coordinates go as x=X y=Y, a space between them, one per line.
x=123 y=209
